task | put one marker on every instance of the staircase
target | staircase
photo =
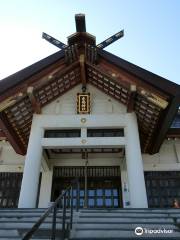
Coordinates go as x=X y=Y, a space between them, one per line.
x=91 y=224
x=14 y=223
x=121 y=224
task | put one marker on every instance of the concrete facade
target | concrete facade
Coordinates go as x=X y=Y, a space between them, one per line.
x=109 y=112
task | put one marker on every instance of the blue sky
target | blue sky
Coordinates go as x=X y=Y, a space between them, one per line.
x=152 y=31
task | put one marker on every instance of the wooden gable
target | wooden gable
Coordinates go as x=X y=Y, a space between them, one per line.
x=154 y=99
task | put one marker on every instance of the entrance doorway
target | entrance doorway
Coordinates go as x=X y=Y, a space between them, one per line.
x=102 y=190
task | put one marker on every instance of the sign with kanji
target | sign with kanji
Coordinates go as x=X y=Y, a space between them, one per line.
x=83 y=103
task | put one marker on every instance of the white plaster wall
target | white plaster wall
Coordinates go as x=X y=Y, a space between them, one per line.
x=10 y=161
x=91 y=162
x=168 y=158
x=100 y=103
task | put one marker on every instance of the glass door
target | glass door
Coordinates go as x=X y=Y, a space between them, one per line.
x=101 y=192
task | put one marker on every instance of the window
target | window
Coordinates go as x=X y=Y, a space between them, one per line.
x=65 y=133
x=105 y=132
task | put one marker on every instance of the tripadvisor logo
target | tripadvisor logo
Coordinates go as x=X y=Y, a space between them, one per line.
x=140 y=231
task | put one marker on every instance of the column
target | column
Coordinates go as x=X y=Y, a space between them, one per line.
x=137 y=188
x=30 y=181
x=45 y=191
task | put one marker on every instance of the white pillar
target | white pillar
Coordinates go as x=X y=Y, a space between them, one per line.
x=45 y=191
x=30 y=181
x=137 y=189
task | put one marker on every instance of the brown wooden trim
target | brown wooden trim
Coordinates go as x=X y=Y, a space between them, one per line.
x=131 y=102
x=35 y=104
x=80 y=22
x=2 y=135
x=129 y=78
x=106 y=74
x=11 y=135
x=32 y=80
x=82 y=68
x=164 y=86
x=164 y=124
x=173 y=133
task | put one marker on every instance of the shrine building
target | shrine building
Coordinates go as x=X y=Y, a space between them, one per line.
x=85 y=113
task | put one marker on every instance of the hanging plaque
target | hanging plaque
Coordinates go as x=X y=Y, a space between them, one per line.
x=83 y=103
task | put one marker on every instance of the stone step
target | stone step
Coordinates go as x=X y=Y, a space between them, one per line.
x=9 y=233
x=92 y=223
x=28 y=225
x=119 y=234
x=149 y=210
x=125 y=215
x=18 y=234
x=24 y=217
x=89 y=213
x=123 y=226
x=123 y=220
x=28 y=214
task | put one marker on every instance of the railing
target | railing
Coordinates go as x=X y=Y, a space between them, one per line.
x=66 y=226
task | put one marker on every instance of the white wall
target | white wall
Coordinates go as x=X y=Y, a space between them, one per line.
x=167 y=159
x=100 y=104
x=10 y=161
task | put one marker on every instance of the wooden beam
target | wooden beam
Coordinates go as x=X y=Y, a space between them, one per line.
x=34 y=79
x=173 y=133
x=102 y=70
x=82 y=69
x=80 y=23
x=131 y=102
x=127 y=77
x=35 y=104
x=159 y=84
x=2 y=135
x=164 y=124
x=11 y=135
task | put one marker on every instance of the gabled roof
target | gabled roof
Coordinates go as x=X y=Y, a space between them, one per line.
x=155 y=80
x=24 y=74
x=154 y=99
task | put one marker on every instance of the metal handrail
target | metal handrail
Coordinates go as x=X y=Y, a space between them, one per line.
x=53 y=208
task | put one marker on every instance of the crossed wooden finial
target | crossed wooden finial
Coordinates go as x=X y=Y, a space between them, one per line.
x=81 y=27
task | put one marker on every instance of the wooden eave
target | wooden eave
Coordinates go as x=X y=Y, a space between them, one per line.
x=20 y=80
x=127 y=74
x=160 y=83
x=54 y=76
x=16 y=111
x=15 y=140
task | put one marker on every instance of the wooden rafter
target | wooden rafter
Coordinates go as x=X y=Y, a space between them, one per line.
x=62 y=81
x=11 y=135
x=127 y=78
x=132 y=97
x=35 y=104
x=82 y=69
x=31 y=80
